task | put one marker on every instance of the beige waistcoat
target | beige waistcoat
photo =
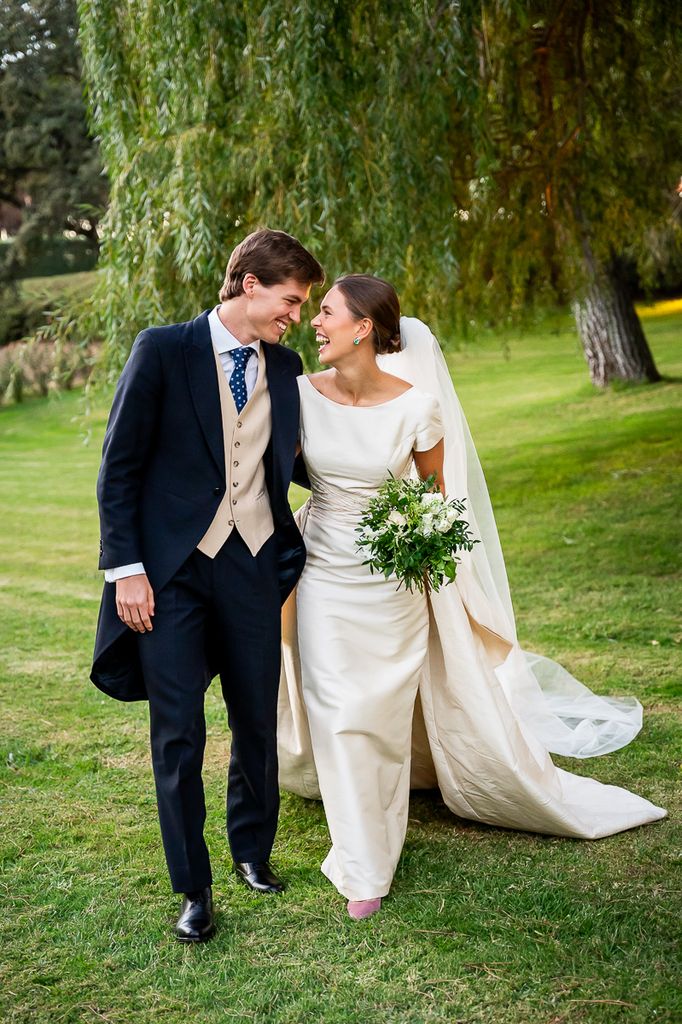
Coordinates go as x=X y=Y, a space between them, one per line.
x=246 y=504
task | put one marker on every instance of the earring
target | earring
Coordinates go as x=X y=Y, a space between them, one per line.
x=356 y=341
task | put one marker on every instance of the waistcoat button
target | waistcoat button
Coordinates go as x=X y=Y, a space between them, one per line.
x=239 y=423
x=237 y=443
x=235 y=483
x=234 y=501
x=235 y=463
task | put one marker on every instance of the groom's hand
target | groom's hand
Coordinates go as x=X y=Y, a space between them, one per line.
x=135 y=602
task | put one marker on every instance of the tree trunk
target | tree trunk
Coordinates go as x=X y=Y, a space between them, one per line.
x=611 y=332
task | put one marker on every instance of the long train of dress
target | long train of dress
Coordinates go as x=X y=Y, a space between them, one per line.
x=466 y=739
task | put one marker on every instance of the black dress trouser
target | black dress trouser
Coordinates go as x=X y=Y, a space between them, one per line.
x=231 y=601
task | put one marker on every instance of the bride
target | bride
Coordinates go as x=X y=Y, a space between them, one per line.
x=383 y=689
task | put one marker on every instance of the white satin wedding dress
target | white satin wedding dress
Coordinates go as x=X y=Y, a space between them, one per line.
x=382 y=688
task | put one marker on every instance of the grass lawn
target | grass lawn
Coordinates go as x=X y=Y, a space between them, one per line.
x=483 y=925
x=60 y=286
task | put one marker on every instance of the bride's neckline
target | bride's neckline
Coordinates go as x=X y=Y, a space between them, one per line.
x=342 y=405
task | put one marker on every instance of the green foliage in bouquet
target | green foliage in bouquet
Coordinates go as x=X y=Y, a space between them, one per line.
x=411 y=531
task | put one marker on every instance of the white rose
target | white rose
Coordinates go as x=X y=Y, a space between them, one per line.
x=432 y=498
x=397 y=518
x=445 y=518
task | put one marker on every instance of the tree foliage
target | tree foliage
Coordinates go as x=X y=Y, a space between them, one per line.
x=49 y=166
x=575 y=141
x=327 y=120
x=469 y=152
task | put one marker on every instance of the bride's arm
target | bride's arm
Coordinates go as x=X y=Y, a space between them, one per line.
x=430 y=462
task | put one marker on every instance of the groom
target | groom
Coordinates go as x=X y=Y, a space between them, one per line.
x=200 y=549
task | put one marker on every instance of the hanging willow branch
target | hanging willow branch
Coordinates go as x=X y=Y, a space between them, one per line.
x=326 y=120
x=443 y=145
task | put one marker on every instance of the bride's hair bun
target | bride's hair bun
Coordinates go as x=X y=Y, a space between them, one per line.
x=394 y=344
x=376 y=299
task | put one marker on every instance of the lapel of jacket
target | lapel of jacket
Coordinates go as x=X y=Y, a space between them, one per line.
x=203 y=385
x=284 y=408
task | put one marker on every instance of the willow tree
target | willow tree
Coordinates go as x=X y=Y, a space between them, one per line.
x=328 y=120
x=574 y=138
x=481 y=154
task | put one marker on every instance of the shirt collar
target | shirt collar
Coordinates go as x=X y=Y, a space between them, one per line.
x=223 y=340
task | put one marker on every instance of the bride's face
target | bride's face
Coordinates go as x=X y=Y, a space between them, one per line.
x=336 y=328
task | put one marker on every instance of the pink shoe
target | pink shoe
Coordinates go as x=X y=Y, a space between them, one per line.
x=357 y=909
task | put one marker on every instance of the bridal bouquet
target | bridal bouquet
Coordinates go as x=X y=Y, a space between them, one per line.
x=411 y=530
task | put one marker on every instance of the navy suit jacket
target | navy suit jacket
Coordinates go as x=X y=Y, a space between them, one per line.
x=162 y=476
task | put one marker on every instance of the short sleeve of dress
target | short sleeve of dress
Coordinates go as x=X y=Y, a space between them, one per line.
x=429 y=424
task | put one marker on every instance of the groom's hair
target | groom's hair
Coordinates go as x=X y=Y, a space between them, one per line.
x=273 y=256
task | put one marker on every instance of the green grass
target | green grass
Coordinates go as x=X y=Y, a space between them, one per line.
x=38 y=298
x=47 y=290
x=483 y=925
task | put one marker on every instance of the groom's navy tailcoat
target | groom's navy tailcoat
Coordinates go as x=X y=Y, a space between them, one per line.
x=163 y=476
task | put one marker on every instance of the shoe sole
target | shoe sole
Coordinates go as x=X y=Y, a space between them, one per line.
x=195 y=942
x=260 y=892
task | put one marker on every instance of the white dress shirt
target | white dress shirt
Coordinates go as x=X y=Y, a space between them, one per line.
x=223 y=342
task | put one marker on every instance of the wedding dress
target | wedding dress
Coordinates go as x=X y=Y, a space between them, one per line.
x=382 y=688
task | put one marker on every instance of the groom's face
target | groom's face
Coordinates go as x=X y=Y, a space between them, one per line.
x=271 y=310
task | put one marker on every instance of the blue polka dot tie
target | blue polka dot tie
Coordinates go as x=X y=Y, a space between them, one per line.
x=240 y=357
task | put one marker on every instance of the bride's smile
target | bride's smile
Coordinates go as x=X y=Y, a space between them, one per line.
x=322 y=342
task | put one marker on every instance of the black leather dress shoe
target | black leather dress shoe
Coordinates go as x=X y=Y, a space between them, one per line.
x=258 y=877
x=196 y=923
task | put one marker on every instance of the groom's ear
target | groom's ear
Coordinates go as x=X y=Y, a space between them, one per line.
x=249 y=282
